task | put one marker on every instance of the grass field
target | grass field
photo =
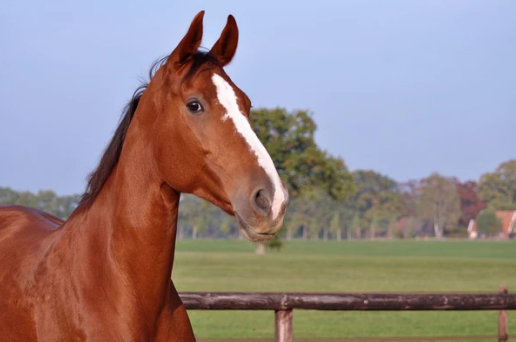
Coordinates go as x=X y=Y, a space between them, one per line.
x=356 y=266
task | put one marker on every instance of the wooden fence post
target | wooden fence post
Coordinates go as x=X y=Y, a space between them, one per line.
x=283 y=320
x=502 y=320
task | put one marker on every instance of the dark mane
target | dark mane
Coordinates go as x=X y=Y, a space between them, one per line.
x=99 y=176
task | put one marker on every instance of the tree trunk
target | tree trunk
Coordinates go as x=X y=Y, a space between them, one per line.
x=289 y=233
x=437 y=231
x=305 y=232
x=325 y=233
x=194 y=233
x=260 y=248
x=339 y=234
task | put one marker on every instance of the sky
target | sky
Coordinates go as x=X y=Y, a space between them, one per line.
x=405 y=88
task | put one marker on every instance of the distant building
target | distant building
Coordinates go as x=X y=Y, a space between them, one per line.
x=508 y=229
x=508 y=219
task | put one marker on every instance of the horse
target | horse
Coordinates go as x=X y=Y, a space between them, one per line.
x=104 y=274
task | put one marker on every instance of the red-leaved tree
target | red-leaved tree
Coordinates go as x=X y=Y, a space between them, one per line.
x=470 y=203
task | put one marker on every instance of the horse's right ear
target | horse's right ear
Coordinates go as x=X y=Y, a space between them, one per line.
x=189 y=44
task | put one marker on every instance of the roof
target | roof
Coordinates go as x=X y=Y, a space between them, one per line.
x=508 y=218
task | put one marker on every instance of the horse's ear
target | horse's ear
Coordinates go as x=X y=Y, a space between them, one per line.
x=190 y=42
x=224 y=49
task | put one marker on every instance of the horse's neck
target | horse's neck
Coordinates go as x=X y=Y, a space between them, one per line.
x=134 y=219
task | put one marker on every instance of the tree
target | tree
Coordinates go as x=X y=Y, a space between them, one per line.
x=498 y=189
x=376 y=199
x=391 y=226
x=8 y=196
x=65 y=205
x=225 y=224
x=355 y=226
x=488 y=223
x=323 y=207
x=45 y=200
x=346 y=214
x=275 y=243
x=412 y=226
x=301 y=164
x=197 y=214
x=374 y=224
x=296 y=216
x=439 y=203
x=410 y=191
x=470 y=203
x=335 y=227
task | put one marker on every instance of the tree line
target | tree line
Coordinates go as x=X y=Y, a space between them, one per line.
x=328 y=201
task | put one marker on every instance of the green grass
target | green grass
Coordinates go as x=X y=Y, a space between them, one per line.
x=357 y=266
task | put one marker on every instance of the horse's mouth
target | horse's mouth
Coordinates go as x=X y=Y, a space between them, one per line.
x=249 y=233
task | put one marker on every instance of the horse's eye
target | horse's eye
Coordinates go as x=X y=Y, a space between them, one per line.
x=195 y=107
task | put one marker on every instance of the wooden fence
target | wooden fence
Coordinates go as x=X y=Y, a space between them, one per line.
x=283 y=304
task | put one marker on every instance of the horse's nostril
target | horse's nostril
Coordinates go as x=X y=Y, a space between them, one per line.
x=262 y=202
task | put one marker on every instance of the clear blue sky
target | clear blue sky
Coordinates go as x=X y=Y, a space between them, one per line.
x=402 y=87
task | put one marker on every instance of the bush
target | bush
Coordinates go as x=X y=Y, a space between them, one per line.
x=488 y=223
x=275 y=243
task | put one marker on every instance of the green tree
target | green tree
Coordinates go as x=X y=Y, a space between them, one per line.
x=8 y=196
x=488 y=223
x=296 y=217
x=276 y=243
x=323 y=208
x=377 y=199
x=355 y=226
x=45 y=200
x=498 y=189
x=335 y=226
x=391 y=226
x=439 y=203
x=225 y=224
x=301 y=164
x=374 y=223
x=340 y=216
x=195 y=213
x=65 y=205
x=412 y=226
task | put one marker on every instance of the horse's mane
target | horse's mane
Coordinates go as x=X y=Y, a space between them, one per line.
x=98 y=177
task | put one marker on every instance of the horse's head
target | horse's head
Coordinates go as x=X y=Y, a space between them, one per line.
x=220 y=159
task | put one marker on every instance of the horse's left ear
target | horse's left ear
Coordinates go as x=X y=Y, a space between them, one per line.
x=190 y=42
x=224 y=49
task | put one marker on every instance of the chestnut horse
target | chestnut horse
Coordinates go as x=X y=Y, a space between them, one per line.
x=105 y=273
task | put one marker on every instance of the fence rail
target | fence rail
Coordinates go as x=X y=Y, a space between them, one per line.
x=284 y=303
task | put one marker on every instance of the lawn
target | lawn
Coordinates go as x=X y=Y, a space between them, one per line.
x=356 y=266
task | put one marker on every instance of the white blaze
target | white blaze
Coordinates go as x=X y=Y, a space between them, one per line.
x=227 y=98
